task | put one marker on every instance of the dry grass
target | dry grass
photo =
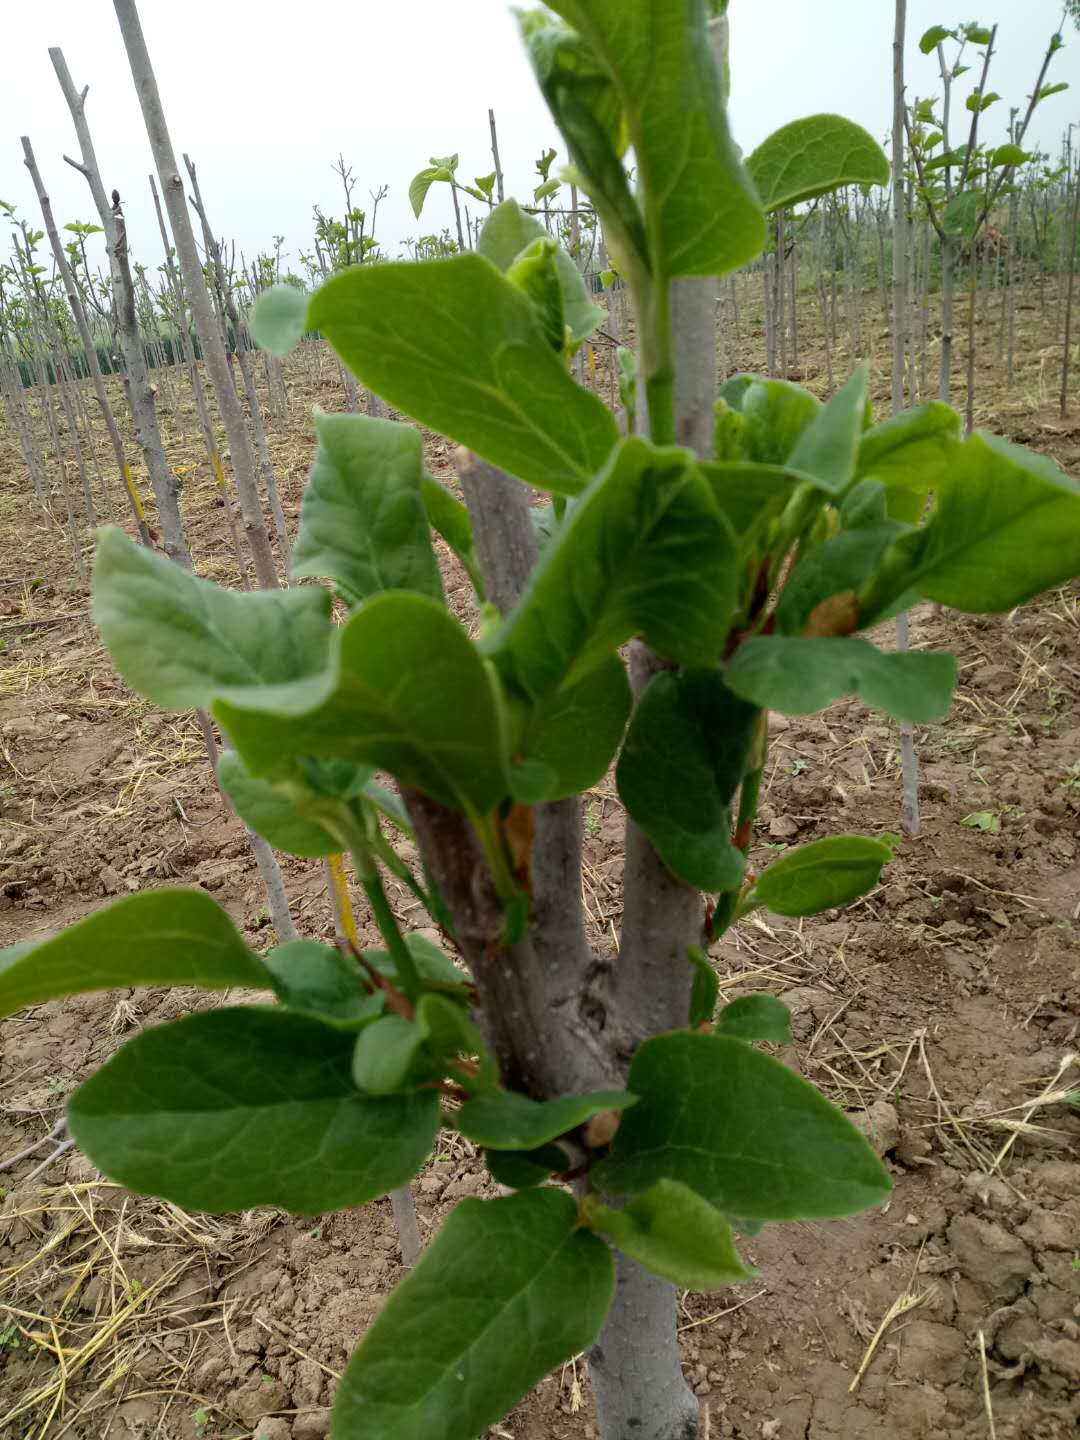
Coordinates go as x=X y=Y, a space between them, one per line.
x=92 y=1239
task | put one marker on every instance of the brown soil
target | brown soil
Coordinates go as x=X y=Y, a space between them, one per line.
x=941 y=1011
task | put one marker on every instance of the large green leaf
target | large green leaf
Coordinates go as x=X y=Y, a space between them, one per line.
x=910 y=453
x=1005 y=527
x=645 y=549
x=582 y=97
x=774 y=414
x=245 y=1106
x=702 y=215
x=320 y=981
x=507 y=232
x=413 y=698
x=742 y=1130
x=810 y=157
x=458 y=346
x=684 y=757
x=279 y=318
x=506 y=1290
x=671 y=1230
x=826 y=449
x=821 y=875
x=362 y=521
x=271 y=813
x=570 y=737
x=161 y=937
x=800 y=675
x=183 y=642
x=506 y=1120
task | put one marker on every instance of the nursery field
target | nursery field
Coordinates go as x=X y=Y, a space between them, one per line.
x=942 y=1011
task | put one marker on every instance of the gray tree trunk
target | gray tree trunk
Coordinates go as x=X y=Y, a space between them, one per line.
x=404 y=1207
x=202 y=410
x=78 y=310
x=1072 y=236
x=140 y=392
x=231 y=316
x=945 y=373
x=172 y=189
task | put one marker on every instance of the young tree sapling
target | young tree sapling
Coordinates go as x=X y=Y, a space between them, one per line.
x=743 y=573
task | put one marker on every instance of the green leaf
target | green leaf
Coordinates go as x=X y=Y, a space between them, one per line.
x=318 y=980
x=507 y=1289
x=574 y=733
x=389 y=1057
x=684 y=756
x=810 y=157
x=245 y=1106
x=672 y=1231
x=521 y=1169
x=362 y=521
x=800 y=675
x=270 y=812
x=933 y=37
x=546 y=189
x=821 y=875
x=839 y=565
x=397 y=1054
x=750 y=495
x=183 y=642
x=583 y=99
x=775 y=414
x=701 y=213
x=1045 y=91
x=506 y=1120
x=413 y=698
x=507 y=232
x=279 y=318
x=1009 y=155
x=911 y=451
x=535 y=274
x=449 y=517
x=756 y=1017
x=448 y=1034
x=433 y=965
x=601 y=578
x=986 y=820
x=457 y=346
x=1006 y=526
x=962 y=213
x=799 y=1159
x=827 y=448
x=705 y=989
x=422 y=182
x=160 y=937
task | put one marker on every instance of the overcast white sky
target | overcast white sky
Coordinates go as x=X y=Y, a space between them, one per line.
x=263 y=94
